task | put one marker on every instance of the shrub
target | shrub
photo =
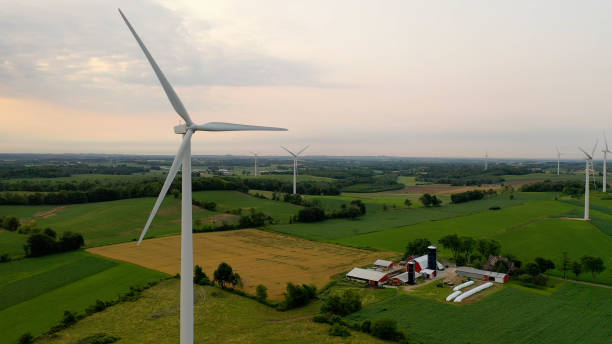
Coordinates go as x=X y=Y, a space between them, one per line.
x=5 y=258
x=430 y=200
x=10 y=223
x=50 y=232
x=71 y=241
x=385 y=329
x=98 y=338
x=311 y=214
x=339 y=330
x=495 y=207
x=346 y=304
x=408 y=203
x=320 y=318
x=69 y=318
x=366 y=326
x=39 y=245
x=199 y=277
x=26 y=338
x=297 y=296
x=99 y=306
x=262 y=292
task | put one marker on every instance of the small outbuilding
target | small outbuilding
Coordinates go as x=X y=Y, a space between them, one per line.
x=369 y=276
x=484 y=275
x=383 y=264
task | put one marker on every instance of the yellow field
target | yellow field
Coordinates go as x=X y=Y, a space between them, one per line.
x=259 y=257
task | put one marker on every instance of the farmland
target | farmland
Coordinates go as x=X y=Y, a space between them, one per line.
x=35 y=292
x=573 y=314
x=154 y=319
x=260 y=257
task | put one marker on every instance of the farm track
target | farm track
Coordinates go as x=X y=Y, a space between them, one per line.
x=581 y=282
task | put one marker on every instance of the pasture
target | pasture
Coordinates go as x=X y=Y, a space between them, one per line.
x=572 y=314
x=36 y=291
x=334 y=230
x=220 y=317
x=259 y=257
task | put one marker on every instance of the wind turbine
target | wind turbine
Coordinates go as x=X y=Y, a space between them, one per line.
x=183 y=156
x=605 y=151
x=589 y=163
x=558 y=160
x=486 y=160
x=295 y=158
x=255 y=155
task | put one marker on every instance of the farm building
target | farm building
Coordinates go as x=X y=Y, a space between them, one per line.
x=383 y=264
x=482 y=274
x=369 y=276
x=427 y=262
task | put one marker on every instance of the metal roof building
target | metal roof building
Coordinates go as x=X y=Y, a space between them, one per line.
x=367 y=275
x=482 y=274
x=381 y=263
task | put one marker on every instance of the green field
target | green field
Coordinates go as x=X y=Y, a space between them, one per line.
x=12 y=243
x=289 y=178
x=105 y=223
x=220 y=317
x=333 y=230
x=36 y=291
x=573 y=314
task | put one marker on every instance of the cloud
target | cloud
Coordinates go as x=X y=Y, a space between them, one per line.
x=81 y=53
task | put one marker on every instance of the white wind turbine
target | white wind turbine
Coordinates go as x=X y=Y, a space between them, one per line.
x=605 y=152
x=589 y=164
x=183 y=156
x=558 y=160
x=486 y=160
x=255 y=155
x=295 y=159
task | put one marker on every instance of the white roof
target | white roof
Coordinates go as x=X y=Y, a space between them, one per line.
x=480 y=272
x=402 y=277
x=367 y=274
x=382 y=262
x=422 y=260
x=427 y=271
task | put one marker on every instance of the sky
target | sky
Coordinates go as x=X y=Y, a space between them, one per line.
x=399 y=78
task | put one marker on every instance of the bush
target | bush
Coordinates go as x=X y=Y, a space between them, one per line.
x=366 y=326
x=495 y=207
x=430 y=200
x=339 y=330
x=99 y=306
x=71 y=241
x=69 y=318
x=98 y=338
x=348 y=303
x=26 y=338
x=199 y=277
x=321 y=318
x=385 y=329
x=5 y=258
x=408 y=203
x=10 y=223
x=39 y=245
x=297 y=296
x=262 y=292
x=50 y=232
x=311 y=214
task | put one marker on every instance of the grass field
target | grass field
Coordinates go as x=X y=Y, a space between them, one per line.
x=333 y=230
x=105 y=223
x=220 y=317
x=289 y=178
x=36 y=291
x=12 y=243
x=573 y=314
x=260 y=257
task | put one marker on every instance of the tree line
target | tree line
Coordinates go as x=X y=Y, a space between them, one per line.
x=472 y=195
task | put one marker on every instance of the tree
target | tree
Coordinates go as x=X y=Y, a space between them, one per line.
x=453 y=243
x=360 y=205
x=488 y=248
x=417 y=247
x=408 y=203
x=577 y=268
x=50 y=232
x=311 y=214
x=594 y=265
x=297 y=295
x=199 y=276
x=69 y=318
x=39 y=245
x=223 y=274
x=26 y=338
x=430 y=200
x=236 y=280
x=501 y=266
x=533 y=269
x=10 y=223
x=261 y=292
x=71 y=241
x=348 y=303
x=565 y=264
x=385 y=329
x=467 y=247
x=544 y=264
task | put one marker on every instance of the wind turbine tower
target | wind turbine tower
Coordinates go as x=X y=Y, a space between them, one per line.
x=486 y=160
x=295 y=159
x=183 y=157
x=605 y=151
x=587 y=173
x=558 y=160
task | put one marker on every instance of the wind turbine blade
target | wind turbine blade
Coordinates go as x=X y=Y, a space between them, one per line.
x=172 y=96
x=606 y=142
x=594 y=148
x=290 y=152
x=176 y=164
x=221 y=126
x=585 y=153
x=303 y=149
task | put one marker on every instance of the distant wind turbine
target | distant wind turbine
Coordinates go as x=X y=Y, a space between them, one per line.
x=605 y=151
x=295 y=159
x=255 y=155
x=558 y=160
x=587 y=173
x=183 y=156
x=486 y=160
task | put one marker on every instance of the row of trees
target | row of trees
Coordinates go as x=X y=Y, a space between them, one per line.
x=471 y=195
x=590 y=264
x=430 y=200
x=8 y=171
x=315 y=213
x=569 y=187
x=45 y=243
x=463 y=247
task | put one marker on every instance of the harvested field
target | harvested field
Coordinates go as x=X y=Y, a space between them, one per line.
x=49 y=212
x=260 y=257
